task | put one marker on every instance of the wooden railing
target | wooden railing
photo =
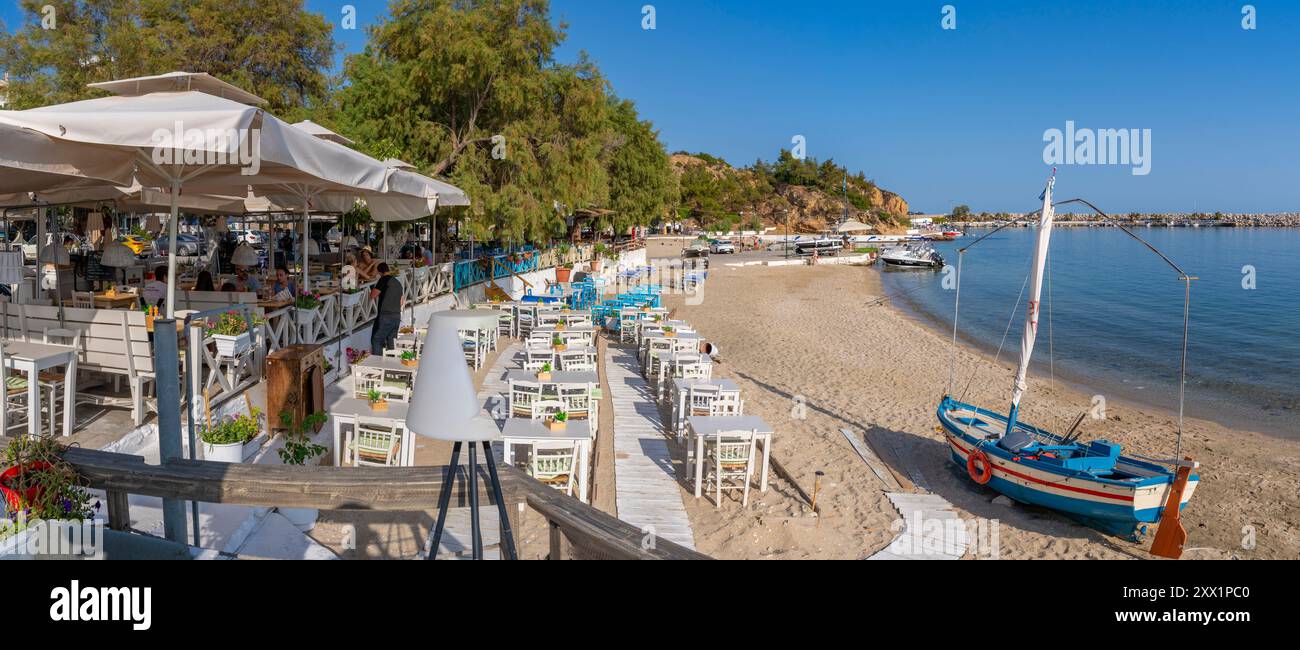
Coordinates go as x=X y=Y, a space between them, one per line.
x=577 y=530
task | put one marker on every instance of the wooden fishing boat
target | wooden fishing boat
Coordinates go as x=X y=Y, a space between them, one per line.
x=1090 y=481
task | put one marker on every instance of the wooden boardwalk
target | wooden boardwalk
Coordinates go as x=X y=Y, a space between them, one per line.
x=647 y=493
x=935 y=540
x=494 y=394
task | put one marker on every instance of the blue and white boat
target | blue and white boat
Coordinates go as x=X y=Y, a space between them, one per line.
x=1090 y=481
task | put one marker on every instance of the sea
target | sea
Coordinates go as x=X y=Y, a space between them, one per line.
x=1112 y=314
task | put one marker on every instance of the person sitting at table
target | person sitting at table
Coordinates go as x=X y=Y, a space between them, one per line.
x=284 y=283
x=367 y=267
x=229 y=287
x=154 y=293
x=427 y=254
x=246 y=282
x=204 y=282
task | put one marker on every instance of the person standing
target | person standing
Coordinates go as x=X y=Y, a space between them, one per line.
x=387 y=294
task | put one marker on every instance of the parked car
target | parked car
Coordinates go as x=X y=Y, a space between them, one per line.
x=254 y=238
x=721 y=246
x=138 y=245
x=186 y=245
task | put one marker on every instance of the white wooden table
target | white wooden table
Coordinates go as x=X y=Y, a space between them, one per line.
x=700 y=427
x=524 y=431
x=347 y=409
x=587 y=333
x=559 y=378
x=388 y=364
x=33 y=358
x=681 y=388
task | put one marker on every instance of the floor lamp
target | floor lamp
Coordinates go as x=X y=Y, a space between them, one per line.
x=445 y=407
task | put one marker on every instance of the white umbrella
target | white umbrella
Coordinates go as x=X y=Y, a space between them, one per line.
x=203 y=143
x=853 y=226
x=31 y=161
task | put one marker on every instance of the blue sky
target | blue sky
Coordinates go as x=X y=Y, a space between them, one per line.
x=958 y=116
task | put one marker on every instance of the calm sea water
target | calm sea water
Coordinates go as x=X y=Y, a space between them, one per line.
x=1117 y=314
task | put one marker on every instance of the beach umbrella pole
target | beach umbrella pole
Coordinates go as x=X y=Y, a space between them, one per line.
x=171 y=249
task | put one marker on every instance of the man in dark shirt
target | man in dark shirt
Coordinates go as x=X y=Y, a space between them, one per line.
x=387 y=294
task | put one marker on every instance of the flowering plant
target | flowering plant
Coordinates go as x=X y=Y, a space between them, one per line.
x=355 y=355
x=231 y=430
x=307 y=300
x=39 y=484
x=231 y=323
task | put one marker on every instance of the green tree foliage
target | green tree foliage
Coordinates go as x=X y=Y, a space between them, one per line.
x=470 y=89
x=273 y=48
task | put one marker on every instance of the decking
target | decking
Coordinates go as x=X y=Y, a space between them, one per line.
x=648 y=496
x=932 y=542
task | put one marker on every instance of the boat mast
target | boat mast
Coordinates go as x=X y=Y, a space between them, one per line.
x=1035 y=300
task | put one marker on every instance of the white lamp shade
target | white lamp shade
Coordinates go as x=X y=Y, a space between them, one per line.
x=117 y=255
x=443 y=403
x=55 y=254
x=221 y=226
x=244 y=255
x=94 y=221
x=312 y=247
x=152 y=223
x=349 y=242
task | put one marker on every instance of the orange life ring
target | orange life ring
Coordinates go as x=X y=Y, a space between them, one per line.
x=984 y=473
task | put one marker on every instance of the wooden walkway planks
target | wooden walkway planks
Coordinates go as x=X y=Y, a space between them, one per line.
x=494 y=394
x=933 y=542
x=647 y=494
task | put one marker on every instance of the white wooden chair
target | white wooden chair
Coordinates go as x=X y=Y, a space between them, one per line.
x=55 y=380
x=375 y=442
x=577 y=361
x=655 y=348
x=629 y=325
x=544 y=408
x=729 y=463
x=728 y=404
x=539 y=340
x=522 y=396
x=535 y=358
x=578 y=402
x=83 y=300
x=555 y=465
x=475 y=346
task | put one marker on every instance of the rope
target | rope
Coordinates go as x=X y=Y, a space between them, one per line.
x=1015 y=310
x=956 y=311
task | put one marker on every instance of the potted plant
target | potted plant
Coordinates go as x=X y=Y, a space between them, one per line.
x=307 y=301
x=601 y=251
x=37 y=484
x=224 y=442
x=230 y=331
x=545 y=373
x=558 y=344
x=669 y=331
x=352 y=296
x=377 y=400
x=409 y=360
x=564 y=272
x=558 y=422
x=658 y=318
x=297 y=450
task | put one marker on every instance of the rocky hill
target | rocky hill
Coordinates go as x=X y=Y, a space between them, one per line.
x=716 y=193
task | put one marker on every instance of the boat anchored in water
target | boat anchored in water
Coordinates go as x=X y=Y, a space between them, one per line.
x=912 y=256
x=1090 y=481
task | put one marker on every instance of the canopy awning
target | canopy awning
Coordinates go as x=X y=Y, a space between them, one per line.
x=178 y=81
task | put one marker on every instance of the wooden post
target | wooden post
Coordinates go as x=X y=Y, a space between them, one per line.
x=119 y=510
x=557 y=541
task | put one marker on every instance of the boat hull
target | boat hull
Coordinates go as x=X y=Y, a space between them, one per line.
x=1117 y=506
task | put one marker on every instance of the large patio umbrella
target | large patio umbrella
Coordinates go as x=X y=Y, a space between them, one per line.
x=198 y=142
x=32 y=161
x=853 y=226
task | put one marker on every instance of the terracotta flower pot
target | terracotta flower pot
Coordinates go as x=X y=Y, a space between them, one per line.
x=381 y=405
x=10 y=478
x=562 y=275
x=557 y=426
x=543 y=376
x=410 y=363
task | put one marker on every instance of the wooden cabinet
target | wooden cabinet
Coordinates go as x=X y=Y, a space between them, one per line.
x=295 y=383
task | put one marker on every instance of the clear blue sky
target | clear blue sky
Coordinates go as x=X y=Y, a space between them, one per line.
x=946 y=117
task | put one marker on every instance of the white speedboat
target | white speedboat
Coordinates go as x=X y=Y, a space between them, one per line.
x=915 y=256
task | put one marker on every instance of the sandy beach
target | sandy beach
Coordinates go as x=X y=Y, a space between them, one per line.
x=810 y=336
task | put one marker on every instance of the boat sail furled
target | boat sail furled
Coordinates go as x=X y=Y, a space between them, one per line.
x=1035 y=303
x=1089 y=481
